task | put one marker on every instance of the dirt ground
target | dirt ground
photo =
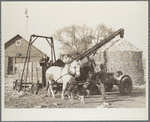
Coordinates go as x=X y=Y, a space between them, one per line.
x=13 y=99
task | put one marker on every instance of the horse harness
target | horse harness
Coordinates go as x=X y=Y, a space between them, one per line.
x=69 y=72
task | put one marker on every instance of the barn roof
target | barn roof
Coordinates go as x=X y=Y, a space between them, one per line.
x=12 y=40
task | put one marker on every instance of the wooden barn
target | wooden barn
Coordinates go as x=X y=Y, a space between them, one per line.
x=15 y=53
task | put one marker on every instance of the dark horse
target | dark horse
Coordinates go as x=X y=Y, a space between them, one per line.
x=89 y=83
x=85 y=68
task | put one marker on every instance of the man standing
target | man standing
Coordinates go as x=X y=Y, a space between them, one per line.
x=101 y=77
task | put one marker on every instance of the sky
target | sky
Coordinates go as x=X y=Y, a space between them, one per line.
x=47 y=17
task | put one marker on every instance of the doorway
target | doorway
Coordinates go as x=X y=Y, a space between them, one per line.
x=10 y=65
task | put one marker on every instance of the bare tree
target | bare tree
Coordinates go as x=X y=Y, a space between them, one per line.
x=77 y=39
x=100 y=32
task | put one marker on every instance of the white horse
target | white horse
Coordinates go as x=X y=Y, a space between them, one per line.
x=62 y=75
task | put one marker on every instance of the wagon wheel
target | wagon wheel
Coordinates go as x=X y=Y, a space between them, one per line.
x=34 y=89
x=108 y=87
x=125 y=86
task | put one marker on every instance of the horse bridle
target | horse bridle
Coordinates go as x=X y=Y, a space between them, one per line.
x=69 y=71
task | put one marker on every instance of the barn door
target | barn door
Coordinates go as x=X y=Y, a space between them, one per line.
x=10 y=65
